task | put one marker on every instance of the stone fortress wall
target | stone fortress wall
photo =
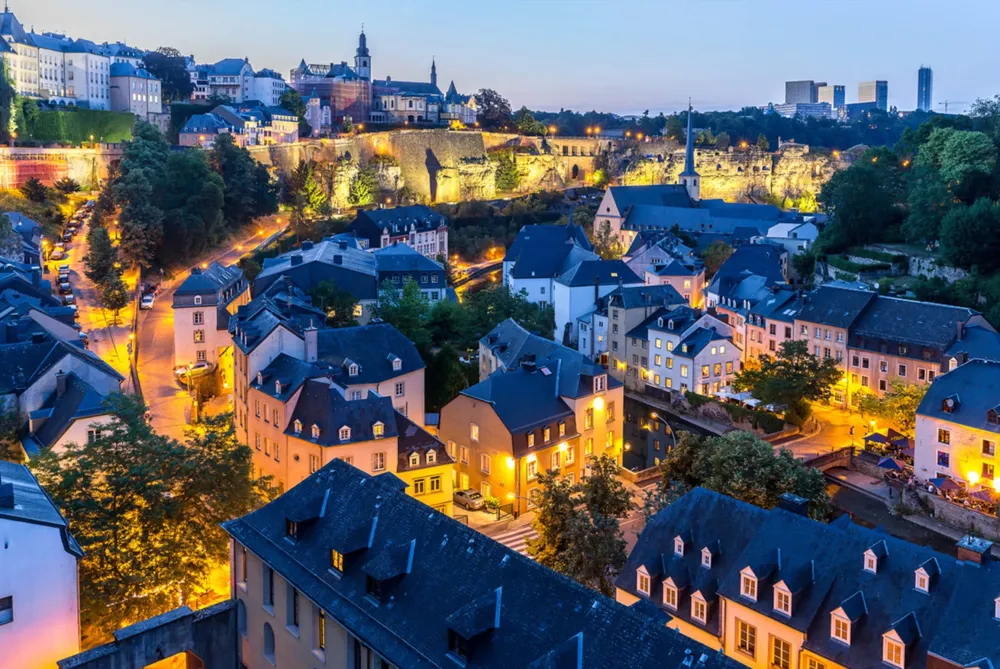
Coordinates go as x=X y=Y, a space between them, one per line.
x=452 y=166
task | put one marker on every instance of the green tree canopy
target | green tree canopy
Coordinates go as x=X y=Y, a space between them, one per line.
x=146 y=510
x=970 y=236
x=494 y=109
x=336 y=302
x=793 y=379
x=898 y=405
x=714 y=255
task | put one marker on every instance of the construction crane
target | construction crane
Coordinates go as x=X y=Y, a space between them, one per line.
x=946 y=103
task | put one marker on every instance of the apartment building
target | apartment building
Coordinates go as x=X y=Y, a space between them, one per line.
x=770 y=323
x=776 y=590
x=419 y=227
x=539 y=254
x=346 y=570
x=688 y=352
x=202 y=306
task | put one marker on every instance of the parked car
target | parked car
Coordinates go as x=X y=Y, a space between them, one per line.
x=65 y=288
x=63 y=277
x=470 y=499
x=67 y=237
x=58 y=254
x=63 y=269
x=147 y=301
x=69 y=300
x=187 y=372
x=83 y=338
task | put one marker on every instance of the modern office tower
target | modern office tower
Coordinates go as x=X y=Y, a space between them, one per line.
x=800 y=92
x=874 y=91
x=925 y=89
x=834 y=95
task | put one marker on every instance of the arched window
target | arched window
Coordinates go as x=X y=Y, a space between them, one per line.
x=315 y=431
x=241 y=617
x=268 y=643
x=197 y=299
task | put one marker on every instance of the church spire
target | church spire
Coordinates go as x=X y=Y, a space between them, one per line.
x=434 y=71
x=690 y=177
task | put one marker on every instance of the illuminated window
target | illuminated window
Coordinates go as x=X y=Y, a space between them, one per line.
x=378 y=430
x=315 y=431
x=748 y=587
x=670 y=596
x=642 y=581
x=892 y=652
x=746 y=641
x=473 y=432
x=337 y=561
x=781 y=654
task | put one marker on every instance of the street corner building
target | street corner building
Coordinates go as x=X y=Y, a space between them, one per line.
x=775 y=589
x=346 y=569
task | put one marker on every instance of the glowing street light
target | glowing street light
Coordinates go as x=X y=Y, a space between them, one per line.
x=597 y=130
x=552 y=130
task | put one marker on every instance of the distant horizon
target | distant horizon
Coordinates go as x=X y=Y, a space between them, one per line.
x=586 y=55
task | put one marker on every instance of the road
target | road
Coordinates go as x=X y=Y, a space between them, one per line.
x=169 y=403
x=834 y=433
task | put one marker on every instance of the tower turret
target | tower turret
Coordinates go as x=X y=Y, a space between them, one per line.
x=434 y=73
x=362 y=59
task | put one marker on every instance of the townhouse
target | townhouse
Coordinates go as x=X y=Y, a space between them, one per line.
x=345 y=569
x=957 y=426
x=419 y=227
x=539 y=254
x=202 y=306
x=776 y=590
x=660 y=258
x=543 y=407
x=307 y=420
x=770 y=323
x=687 y=352
x=39 y=591
x=579 y=290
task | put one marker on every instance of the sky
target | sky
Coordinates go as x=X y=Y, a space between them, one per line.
x=622 y=56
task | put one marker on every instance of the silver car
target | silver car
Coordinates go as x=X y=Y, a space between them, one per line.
x=470 y=499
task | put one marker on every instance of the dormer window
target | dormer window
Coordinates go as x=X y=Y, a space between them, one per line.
x=669 y=595
x=531 y=439
x=298 y=426
x=921 y=581
x=260 y=379
x=782 y=601
x=600 y=383
x=291 y=529
x=950 y=404
x=748 y=585
x=414 y=459
x=337 y=561
x=378 y=429
x=352 y=369
x=893 y=652
x=993 y=417
x=277 y=387
x=432 y=457
x=871 y=562
x=397 y=364
x=670 y=324
x=840 y=629
x=642 y=581
x=996 y=608
x=699 y=609
x=678 y=546
x=197 y=299
x=344 y=434
x=706 y=558
x=315 y=431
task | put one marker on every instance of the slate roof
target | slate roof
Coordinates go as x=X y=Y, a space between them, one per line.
x=453 y=578
x=411 y=438
x=976 y=388
x=696 y=341
x=130 y=70
x=781 y=305
x=634 y=297
x=280 y=304
x=920 y=323
x=523 y=400
x=78 y=402
x=370 y=346
x=512 y=345
x=604 y=272
x=671 y=195
x=544 y=251
x=11 y=28
x=32 y=504
x=204 y=123
x=978 y=341
x=212 y=280
x=229 y=66
x=399 y=220
x=763 y=260
x=322 y=404
x=423 y=89
x=675 y=267
x=783 y=546
x=403 y=258
x=836 y=307
x=287 y=371
x=338 y=259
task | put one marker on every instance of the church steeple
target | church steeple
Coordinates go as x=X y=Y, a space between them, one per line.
x=690 y=177
x=434 y=72
x=362 y=59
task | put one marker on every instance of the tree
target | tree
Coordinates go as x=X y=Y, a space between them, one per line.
x=8 y=103
x=347 y=126
x=306 y=192
x=970 y=236
x=446 y=378
x=714 y=256
x=606 y=244
x=67 y=186
x=406 y=309
x=804 y=264
x=555 y=507
x=676 y=129
x=115 y=295
x=743 y=466
x=247 y=188
x=167 y=64
x=35 y=190
x=929 y=200
x=762 y=144
x=508 y=178
x=146 y=510
x=336 y=302
x=10 y=440
x=526 y=124
x=792 y=379
x=364 y=188
x=102 y=257
x=722 y=141
x=603 y=492
x=11 y=242
x=494 y=109
x=898 y=405
x=293 y=102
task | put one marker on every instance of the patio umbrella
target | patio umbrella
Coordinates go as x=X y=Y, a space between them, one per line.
x=944 y=484
x=983 y=496
x=902 y=442
x=908 y=452
x=877 y=437
x=890 y=463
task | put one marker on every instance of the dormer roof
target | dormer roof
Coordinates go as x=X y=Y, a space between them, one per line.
x=478 y=616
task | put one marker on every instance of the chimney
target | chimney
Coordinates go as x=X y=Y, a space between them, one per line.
x=597 y=292
x=296 y=259
x=794 y=504
x=312 y=343
x=342 y=245
x=195 y=271
x=974 y=549
x=10 y=333
x=338 y=259
x=6 y=495
x=307 y=245
x=960 y=327
x=60 y=383
x=388 y=79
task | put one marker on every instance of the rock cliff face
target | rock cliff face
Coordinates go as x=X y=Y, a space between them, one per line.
x=449 y=166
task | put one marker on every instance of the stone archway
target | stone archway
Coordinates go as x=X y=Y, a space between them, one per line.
x=575 y=174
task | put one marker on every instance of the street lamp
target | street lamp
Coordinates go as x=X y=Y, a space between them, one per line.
x=552 y=129
x=590 y=131
x=597 y=130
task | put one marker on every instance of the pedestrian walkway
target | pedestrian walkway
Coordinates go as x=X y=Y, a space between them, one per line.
x=517 y=539
x=861 y=482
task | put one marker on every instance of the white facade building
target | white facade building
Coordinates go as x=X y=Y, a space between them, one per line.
x=267 y=87
x=577 y=291
x=683 y=355
x=202 y=305
x=39 y=597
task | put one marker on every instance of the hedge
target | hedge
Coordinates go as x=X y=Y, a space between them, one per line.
x=79 y=125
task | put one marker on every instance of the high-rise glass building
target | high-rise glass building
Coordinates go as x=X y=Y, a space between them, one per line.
x=835 y=96
x=925 y=89
x=874 y=91
x=800 y=92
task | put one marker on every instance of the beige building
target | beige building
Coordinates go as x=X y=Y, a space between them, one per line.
x=202 y=306
x=136 y=90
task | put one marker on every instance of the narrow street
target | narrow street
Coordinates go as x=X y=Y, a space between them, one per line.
x=169 y=403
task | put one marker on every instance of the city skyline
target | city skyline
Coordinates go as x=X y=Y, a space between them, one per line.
x=510 y=53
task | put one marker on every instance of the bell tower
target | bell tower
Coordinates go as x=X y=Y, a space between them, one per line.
x=362 y=59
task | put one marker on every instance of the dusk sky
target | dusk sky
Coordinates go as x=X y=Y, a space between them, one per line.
x=623 y=56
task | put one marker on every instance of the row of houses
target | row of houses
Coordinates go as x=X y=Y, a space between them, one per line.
x=250 y=123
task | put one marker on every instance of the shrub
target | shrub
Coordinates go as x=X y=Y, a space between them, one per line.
x=695 y=400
